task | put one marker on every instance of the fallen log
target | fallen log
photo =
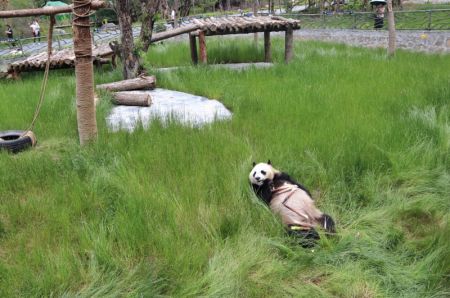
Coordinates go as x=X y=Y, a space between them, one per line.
x=130 y=98
x=139 y=83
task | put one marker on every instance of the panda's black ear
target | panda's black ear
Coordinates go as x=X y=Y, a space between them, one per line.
x=269 y=162
x=254 y=163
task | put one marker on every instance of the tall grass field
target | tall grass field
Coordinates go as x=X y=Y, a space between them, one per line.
x=168 y=211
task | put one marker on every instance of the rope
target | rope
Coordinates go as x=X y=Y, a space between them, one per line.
x=45 y=80
x=78 y=4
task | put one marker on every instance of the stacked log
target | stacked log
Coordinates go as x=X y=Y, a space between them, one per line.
x=132 y=98
x=124 y=92
x=140 y=83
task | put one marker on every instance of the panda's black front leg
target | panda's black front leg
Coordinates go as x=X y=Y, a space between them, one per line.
x=307 y=238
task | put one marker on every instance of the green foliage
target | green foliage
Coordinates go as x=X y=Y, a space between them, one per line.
x=168 y=211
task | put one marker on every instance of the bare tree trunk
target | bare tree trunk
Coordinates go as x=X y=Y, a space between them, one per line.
x=164 y=9
x=176 y=7
x=228 y=5
x=149 y=8
x=185 y=8
x=391 y=28
x=130 y=60
x=3 y=4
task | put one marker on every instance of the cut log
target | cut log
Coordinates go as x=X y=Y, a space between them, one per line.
x=139 y=83
x=132 y=99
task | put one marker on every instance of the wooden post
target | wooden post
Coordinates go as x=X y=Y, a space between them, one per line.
x=288 y=44
x=202 y=46
x=193 y=44
x=267 y=47
x=84 y=71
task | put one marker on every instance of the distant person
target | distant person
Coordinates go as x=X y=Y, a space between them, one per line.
x=172 y=17
x=379 y=16
x=36 y=30
x=10 y=34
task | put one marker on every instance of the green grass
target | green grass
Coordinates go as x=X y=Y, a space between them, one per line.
x=168 y=211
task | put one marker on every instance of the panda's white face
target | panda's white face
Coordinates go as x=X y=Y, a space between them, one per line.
x=260 y=173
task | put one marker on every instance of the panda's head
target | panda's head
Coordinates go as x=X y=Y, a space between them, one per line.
x=262 y=172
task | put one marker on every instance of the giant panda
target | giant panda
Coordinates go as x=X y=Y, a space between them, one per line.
x=291 y=201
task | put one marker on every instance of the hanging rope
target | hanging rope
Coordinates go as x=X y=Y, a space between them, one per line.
x=45 y=80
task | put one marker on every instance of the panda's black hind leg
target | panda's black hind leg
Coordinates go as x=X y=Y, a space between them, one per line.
x=307 y=238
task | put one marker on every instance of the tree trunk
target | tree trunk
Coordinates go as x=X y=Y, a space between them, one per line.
x=164 y=9
x=176 y=6
x=228 y=5
x=130 y=60
x=149 y=8
x=185 y=8
x=391 y=28
x=84 y=72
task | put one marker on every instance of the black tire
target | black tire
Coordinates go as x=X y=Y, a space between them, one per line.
x=13 y=141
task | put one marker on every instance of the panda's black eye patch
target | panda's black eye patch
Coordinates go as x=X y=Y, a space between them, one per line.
x=263 y=172
x=254 y=173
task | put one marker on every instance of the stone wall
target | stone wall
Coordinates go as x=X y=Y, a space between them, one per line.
x=424 y=41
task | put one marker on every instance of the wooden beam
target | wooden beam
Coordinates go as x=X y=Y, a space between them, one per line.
x=46 y=11
x=202 y=46
x=267 y=47
x=174 y=32
x=289 y=45
x=193 y=46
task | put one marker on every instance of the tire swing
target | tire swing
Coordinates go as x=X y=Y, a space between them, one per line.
x=15 y=141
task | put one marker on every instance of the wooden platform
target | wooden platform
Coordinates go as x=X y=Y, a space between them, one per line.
x=60 y=59
x=242 y=25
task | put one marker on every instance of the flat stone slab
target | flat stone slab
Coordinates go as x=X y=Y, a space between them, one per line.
x=233 y=66
x=185 y=108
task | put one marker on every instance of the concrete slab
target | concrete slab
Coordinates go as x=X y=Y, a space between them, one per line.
x=188 y=109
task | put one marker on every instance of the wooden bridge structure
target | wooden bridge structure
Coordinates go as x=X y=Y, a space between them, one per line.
x=197 y=29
